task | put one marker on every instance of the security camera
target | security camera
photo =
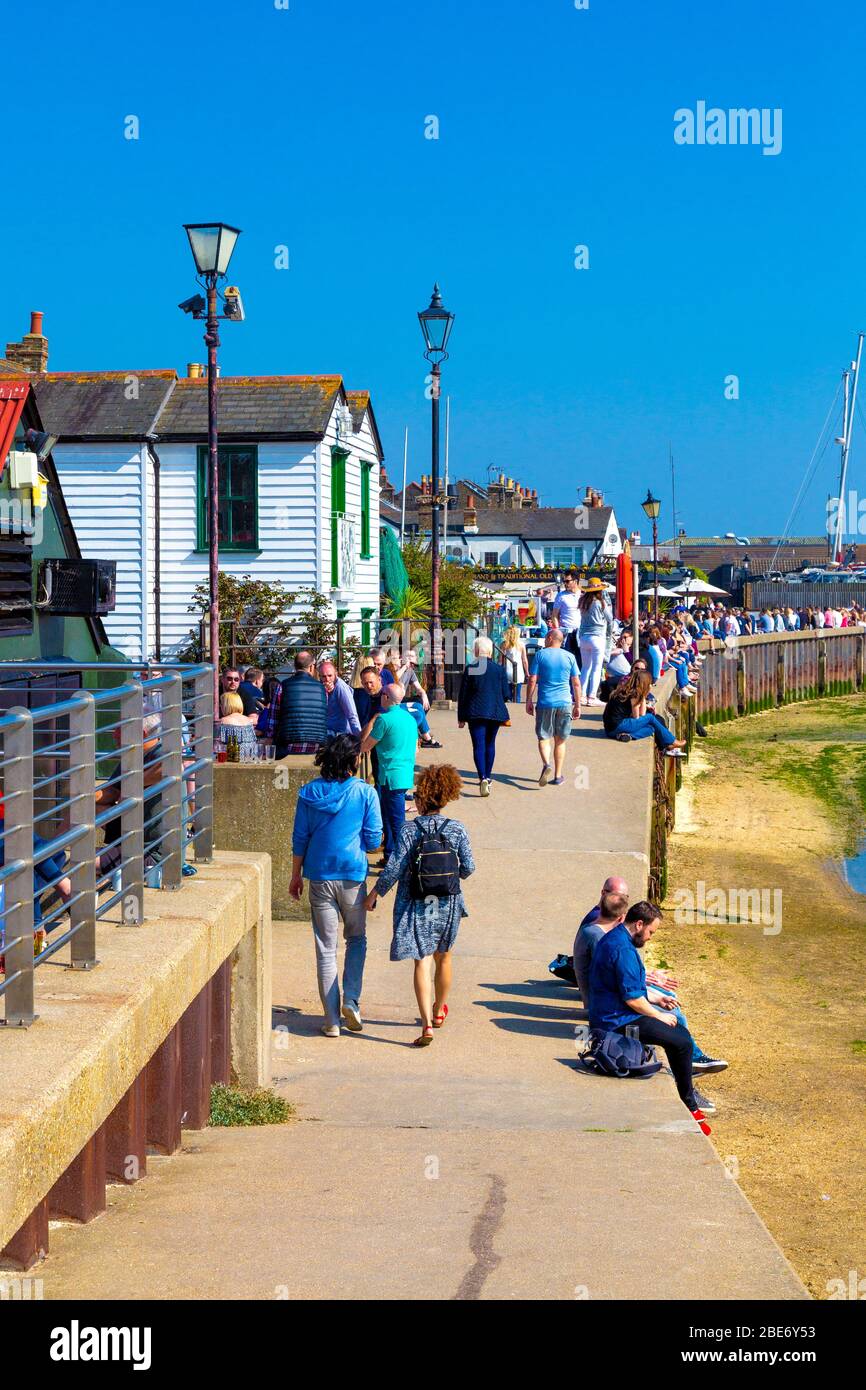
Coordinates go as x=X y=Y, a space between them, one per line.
x=194 y=305
x=40 y=443
x=234 y=305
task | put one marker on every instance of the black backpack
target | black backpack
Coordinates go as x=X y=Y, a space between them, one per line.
x=435 y=864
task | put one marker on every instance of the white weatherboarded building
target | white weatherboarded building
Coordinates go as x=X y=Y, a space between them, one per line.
x=300 y=463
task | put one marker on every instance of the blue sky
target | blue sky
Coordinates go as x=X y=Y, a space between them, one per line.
x=556 y=130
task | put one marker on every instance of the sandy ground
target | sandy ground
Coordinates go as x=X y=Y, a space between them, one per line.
x=785 y=1008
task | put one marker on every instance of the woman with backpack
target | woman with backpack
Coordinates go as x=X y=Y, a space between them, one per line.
x=430 y=858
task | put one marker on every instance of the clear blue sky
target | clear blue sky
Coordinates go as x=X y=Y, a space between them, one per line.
x=556 y=129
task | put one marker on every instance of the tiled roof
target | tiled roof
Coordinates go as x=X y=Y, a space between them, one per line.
x=107 y=405
x=357 y=402
x=539 y=523
x=283 y=407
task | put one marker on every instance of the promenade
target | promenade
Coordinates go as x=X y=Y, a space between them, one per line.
x=485 y=1166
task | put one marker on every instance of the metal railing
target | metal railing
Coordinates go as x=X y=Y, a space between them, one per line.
x=103 y=793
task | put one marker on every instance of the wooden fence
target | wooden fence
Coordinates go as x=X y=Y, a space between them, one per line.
x=749 y=675
x=772 y=669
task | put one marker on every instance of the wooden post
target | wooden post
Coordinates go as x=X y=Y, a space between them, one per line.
x=221 y=1018
x=780 y=673
x=80 y=1192
x=822 y=666
x=30 y=1242
x=164 y=1108
x=125 y=1135
x=195 y=1060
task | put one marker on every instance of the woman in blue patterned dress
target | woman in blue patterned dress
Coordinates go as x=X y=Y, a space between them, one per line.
x=425 y=927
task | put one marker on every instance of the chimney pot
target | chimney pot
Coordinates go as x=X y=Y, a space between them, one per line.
x=36 y=317
x=194 y=371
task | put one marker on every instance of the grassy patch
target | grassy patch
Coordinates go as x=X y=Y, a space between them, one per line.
x=858 y=1047
x=232 y=1105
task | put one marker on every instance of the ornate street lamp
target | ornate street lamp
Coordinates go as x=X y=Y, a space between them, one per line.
x=212 y=244
x=651 y=506
x=436 y=323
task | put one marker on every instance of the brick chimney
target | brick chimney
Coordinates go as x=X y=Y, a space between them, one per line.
x=32 y=352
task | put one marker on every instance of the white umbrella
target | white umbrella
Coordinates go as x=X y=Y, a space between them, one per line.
x=663 y=593
x=699 y=586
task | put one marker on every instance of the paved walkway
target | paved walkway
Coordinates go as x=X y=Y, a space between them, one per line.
x=484 y=1166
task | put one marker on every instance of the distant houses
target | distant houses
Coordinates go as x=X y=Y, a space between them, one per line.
x=502 y=525
x=300 y=460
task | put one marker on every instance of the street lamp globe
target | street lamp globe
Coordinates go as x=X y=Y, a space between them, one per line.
x=651 y=506
x=212 y=244
x=436 y=323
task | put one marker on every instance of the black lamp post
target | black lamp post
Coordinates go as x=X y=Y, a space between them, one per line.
x=436 y=323
x=651 y=506
x=212 y=244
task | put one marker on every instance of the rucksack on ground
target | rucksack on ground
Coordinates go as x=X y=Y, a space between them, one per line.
x=435 y=863
x=563 y=968
x=616 y=1054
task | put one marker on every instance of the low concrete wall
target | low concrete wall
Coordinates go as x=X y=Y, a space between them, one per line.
x=254 y=809
x=97 y=1031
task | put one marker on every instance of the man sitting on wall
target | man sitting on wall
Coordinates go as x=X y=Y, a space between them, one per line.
x=618 y=1000
x=302 y=718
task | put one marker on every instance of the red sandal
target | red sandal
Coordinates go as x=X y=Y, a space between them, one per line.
x=439 y=1019
x=425 y=1039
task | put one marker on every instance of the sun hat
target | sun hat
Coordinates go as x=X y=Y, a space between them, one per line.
x=594 y=586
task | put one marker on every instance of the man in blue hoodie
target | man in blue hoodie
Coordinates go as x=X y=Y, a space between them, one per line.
x=337 y=824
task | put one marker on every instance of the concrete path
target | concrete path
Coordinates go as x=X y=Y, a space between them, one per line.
x=485 y=1166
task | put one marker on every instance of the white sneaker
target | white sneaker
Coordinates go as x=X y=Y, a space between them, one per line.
x=594 y=700
x=545 y=775
x=331 y=1030
x=352 y=1016
x=485 y=786
x=674 y=753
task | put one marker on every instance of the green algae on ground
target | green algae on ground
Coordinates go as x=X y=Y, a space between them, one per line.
x=232 y=1105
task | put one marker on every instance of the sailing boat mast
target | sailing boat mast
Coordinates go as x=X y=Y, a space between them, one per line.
x=847 y=431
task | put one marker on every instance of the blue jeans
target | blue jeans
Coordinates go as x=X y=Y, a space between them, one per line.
x=416 y=709
x=644 y=726
x=682 y=673
x=333 y=901
x=483 y=734
x=393 y=804
x=681 y=1020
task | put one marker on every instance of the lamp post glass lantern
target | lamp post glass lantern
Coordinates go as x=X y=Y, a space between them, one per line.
x=212 y=245
x=436 y=324
x=652 y=506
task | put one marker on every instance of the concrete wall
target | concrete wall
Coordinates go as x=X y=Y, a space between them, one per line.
x=254 y=809
x=96 y=1032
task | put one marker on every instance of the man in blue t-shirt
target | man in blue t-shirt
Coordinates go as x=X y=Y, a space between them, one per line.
x=618 y=998
x=554 y=698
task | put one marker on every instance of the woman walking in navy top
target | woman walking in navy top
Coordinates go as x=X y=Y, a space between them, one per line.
x=481 y=703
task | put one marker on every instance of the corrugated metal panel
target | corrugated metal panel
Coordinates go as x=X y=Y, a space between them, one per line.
x=102 y=487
